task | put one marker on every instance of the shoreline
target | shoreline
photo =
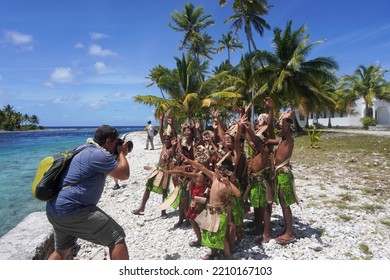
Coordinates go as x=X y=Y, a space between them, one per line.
x=62 y=128
x=320 y=233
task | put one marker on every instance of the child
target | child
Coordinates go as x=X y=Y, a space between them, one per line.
x=199 y=187
x=216 y=219
x=284 y=179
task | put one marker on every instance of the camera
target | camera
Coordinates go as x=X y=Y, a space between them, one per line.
x=120 y=143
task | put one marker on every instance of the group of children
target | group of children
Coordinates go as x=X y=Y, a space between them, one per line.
x=215 y=180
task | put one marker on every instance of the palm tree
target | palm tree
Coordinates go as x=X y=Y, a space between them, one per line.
x=26 y=118
x=156 y=75
x=201 y=46
x=34 y=120
x=234 y=86
x=191 y=21
x=223 y=66
x=369 y=83
x=185 y=87
x=229 y=43
x=290 y=79
x=247 y=14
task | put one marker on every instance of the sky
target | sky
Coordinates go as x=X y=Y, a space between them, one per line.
x=80 y=63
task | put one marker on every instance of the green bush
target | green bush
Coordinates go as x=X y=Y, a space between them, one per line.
x=314 y=137
x=368 y=121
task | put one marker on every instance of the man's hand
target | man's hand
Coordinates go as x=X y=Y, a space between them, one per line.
x=123 y=149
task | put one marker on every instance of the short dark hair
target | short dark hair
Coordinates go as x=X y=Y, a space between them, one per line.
x=149 y=122
x=104 y=132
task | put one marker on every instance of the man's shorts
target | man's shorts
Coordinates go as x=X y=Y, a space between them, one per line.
x=91 y=224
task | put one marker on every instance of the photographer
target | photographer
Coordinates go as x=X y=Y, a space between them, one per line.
x=73 y=212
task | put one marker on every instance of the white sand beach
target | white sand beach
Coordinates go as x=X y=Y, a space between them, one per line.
x=320 y=232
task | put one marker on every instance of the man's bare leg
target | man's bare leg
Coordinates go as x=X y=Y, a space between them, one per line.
x=59 y=255
x=119 y=251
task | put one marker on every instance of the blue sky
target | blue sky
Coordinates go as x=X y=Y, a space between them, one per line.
x=81 y=62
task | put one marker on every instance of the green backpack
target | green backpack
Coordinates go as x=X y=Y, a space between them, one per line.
x=46 y=184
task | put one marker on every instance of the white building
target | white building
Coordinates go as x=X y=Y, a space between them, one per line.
x=380 y=110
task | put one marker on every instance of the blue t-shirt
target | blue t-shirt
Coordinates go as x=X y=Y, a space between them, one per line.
x=89 y=167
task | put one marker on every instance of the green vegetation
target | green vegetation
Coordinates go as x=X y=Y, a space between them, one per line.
x=314 y=137
x=341 y=204
x=385 y=222
x=348 y=166
x=344 y=217
x=346 y=151
x=12 y=120
x=371 y=208
x=347 y=197
x=368 y=121
x=368 y=190
x=366 y=251
x=285 y=74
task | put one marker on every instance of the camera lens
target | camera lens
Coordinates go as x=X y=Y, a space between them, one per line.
x=130 y=145
x=120 y=142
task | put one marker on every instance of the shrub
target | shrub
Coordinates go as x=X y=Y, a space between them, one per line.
x=368 y=121
x=314 y=137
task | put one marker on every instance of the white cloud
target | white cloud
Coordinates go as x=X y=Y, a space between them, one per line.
x=97 y=36
x=62 y=75
x=118 y=95
x=102 y=68
x=70 y=98
x=99 y=51
x=16 y=38
x=48 y=84
x=79 y=46
x=98 y=104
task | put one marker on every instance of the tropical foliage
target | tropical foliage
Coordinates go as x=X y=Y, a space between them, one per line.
x=367 y=82
x=285 y=74
x=13 y=120
x=314 y=137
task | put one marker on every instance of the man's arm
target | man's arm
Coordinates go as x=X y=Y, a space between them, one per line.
x=122 y=171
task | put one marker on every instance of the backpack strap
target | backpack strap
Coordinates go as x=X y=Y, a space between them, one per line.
x=75 y=152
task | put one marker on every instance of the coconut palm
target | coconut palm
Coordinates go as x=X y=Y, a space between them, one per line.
x=229 y=43
x=223 y=66
x=248 y=15
x=185 y=87
x=290 y=79
x=234 y=86
x=156 y=76
x=34 y=119
x=202 y=46
x=368 y=83
x=191 y=21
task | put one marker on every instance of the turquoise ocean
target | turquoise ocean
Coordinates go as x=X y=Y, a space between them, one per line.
x=20 y=154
